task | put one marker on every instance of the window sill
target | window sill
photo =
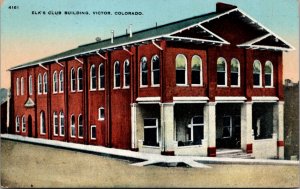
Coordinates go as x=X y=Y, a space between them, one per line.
x=258 y=87
x=61 y=92
x=182 y=85
x=269 y=87
x=196 y=85
x=73 y=91
x=54 y=92
x=93 y=138
x=235 y=86
x=101 y=89
x=61 y=135
x=126 y=87
x=79 y=90
x=42 y=133
x=155 y=85
x=115 y=88
x=143 y=86
x=55 y=135
x=92 y=90
x=80 y=137
x=222 y=86
x=101 y=119
x=73 y=136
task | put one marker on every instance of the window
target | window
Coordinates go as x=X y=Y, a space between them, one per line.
x=40 y=84
x=80 y=126
x=22 y=86
x=73 y=80
x=30 y=85
x=221 y=72
x=42 y=123
x=235 y=73
x=54 y=82
x=257 y=73
x=196 y=70
x=144 y=72
x=181 y=75
x=227 y=127
x=72 y=126
x=23 y=124
x=61 y=81
x=101 y=76
x=79 y=79
x=55 y=123
x=155 y=67
x=17 y=124
x=101 y=113
x=45 y=83
x=269 y=74
x=151 y=131
x=93 y=78
x=126 y=73
x=117 y=74
x=18 y=86
x=93 y=132
x=196 y=130
x=62 y=124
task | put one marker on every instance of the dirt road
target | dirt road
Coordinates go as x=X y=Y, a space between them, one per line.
x=27 y=165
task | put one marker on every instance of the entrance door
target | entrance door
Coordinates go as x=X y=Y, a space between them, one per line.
x=29 y=126
x=231 y=132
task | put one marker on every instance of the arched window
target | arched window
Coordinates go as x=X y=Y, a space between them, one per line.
x=181 y=72
x=235 y=73
x=55 y=124
x=17 y=124
x=101 y=113
x=117 y=74
x=23 y=123
x=18 y=86
x=45 y=83
x=54 y=82
x=80 y=126
x=93 y=78
x=101 y=76
x=73 y=80
x=40 y=85
x=22 y=86
x=269 y=74
x=61 y=124
x=61 y=81
x=257 y=73
x=221 y=72
x=72 y=128
x=196 y=70
x=79 y=79
x=30 y=85
x=42 y=123
x=144 y=72
x=126 y=73
x=155 y=67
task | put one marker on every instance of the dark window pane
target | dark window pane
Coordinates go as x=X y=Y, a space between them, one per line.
x=117 y=77
x=94 y=83
x=268 y=80
x=234 y=78
x=198 y=135
x=156 y=77
x=150 y=137
x=226 y=121
x=221 y=78
x=93 y=132
x=80 y=131
x=180 y=76
x=149 y=122
x=102 y=113
x=144 y=78
x=198 y=120
x=127 y=79
x=256 y=79
x=226 y=132
x=195 y=77
x=102 y=81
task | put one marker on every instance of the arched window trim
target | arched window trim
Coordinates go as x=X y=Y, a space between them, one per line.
x=79 y=80
x=239 y=72
x=101 y=77
x=30 y=85
x=100 y=115
x=23 y=123
x=92 y=78
x=201 y=71
x=260 y=74
x=185 y=74
x=61 y=124
x=153 y=71
x=54 y=84
x=80 y=125
x=73 y=80
x=55 y=124
x=61 y=81
x=272 y=74
x=116 y=75
x=42 y=123
x=126 y=73
x=17 y=124
x=45 y=81
x=225 y=77
x=143 y=71
x=18 y=86
x=22 y=85
x=72 y=125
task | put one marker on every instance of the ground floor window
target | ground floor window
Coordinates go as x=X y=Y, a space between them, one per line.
x=80 y=127
x=195 y=130
x=262 y=121
x=93 y=132
x=55 y=123
x=73 y=126
x=17 y=124
x=151 y=132
x=227 y=127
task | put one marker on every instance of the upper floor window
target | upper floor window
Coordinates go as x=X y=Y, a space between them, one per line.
x=257 y=73
x=93 y=78
x=61 y=81
x=30 y=85
x=73 y=80
x=221 y=72
x=101 y=76
x=72 y=128
x=61 y=124
x=93 y=132
x=17 y=124
x=101 y=113
x=54 y=82
x=126 y=73
x=117 y=74
x=42 y=123
x=45 y=83
x=196 y=70
x=79 y=79
x=181 y=72
x=269 y=74
x=80 y=126
x=22 y=85
x=18 y=86
x=40 y=85
x=23 y=123
x=55 y=123
x=235 y=72
x=155 y=67
x=144 y=72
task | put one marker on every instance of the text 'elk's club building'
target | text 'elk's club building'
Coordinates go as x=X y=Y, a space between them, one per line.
x=185 y=88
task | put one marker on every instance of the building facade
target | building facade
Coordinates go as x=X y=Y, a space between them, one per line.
x=183 y=88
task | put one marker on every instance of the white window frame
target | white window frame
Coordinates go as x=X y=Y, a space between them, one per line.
x=226 y=76
x=124 y=74
x=154 y=126
x=61 y=81
x=93 y=77
x=185 y=71
x=141 y=72
x=18 y=86
x=80 y=116
x=72 y=125
x=152 y=72
x=192 y=125
x=230 y=126
x=45 y=82
x=100 y=77
x=260 y=74
x=55 y=117
x=17 y=124
x=42 y=122
x=115 y=81
x=79 y=79
x=93 y=138
x=23 y=123
x=99 y=113
x=201 y=71
x=40 y=84
x=272 y=75
x=61 y=120
x=30 y=85
x=239 y=72
x=73 y=78
x=55 y=83
x=22 y=85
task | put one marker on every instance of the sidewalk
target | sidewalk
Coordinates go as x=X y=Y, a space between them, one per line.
x=143 y=159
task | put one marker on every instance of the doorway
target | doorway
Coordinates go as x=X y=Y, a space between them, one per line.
x=29 y=126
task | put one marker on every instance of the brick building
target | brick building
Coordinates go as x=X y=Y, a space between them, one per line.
x=184 y=88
